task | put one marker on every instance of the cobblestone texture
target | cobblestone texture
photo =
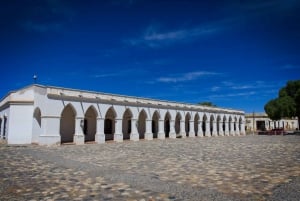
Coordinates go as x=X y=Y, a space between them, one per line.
x=216 y=168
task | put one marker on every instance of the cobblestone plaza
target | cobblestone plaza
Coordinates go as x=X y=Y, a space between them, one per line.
x=216 y=168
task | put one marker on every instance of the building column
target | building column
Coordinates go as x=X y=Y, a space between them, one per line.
x=148 y=133
x=1 y=127
x=134 y=135
x=182 y=129
x=214 y=131
x=118 y=135
x=221 y=133
x=161 y=132
x=200 y=131
x=242 y=131
x=231 y=132
x=50 y=127
x=192 y=129
x=226 y=128
x=207 y=129
x=78 y=136
x=100 y=136
x=237 y=131
x=172 y=133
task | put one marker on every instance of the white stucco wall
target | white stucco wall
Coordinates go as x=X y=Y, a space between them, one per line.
x=20 y=124
x=26 y=125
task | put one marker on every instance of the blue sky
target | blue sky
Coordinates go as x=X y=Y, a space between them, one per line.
x=236 y=54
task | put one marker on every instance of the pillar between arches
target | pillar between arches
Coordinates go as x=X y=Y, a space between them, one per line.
x=172 y=133
x=237 y=131
x=1 y=120
x=134 y=135
x=118 y=135
x=182 y=129
x=50 y=131
x=148 y=133
x=192 y=129
x=207 y=129
x=226 y=128
x=200 y=131
x=100 y=136
x=78 y=136
x=161 y=133
x=243 y=129
x=214 y=131
x=221 y=133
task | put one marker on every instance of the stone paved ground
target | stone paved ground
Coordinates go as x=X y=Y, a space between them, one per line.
x=216 y=168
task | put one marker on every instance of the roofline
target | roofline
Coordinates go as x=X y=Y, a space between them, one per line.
x=119 y=95
x=14 y=91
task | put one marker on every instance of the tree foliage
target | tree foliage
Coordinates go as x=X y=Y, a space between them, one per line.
x=207 y=103
x=287 y=104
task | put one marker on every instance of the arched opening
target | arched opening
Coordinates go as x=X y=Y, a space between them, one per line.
x=36 y=125
x=234 y=124
x=142 y=124
x=211 y=124
x=90 y=124
x=167 y=124
x=196 y=122
x=187 y=123
x=177 y=123
x=126 y=124
x=204 y=125
x=218 y=125
x=109 y=124
x=67 y=124
x=155 y=120
x=4 y=127
x=223 y=125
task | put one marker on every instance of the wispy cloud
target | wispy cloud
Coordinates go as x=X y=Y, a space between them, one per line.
x=240 y=89
x=107 y=75
x=185 y=76
x=119 y=73
x=290 y=67
x=250 y=85
x=153 y=37
x=215 y=88
x=245 y=94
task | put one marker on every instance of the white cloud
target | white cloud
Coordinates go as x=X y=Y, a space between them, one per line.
x=120 y=73
x=186 y=76
x=106 y=75
x=243 y=87
x=215 y=88
x=250 y=93
x=152 y=37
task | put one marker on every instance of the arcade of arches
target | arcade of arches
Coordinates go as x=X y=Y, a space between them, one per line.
x=143 y=126
x=55 y=115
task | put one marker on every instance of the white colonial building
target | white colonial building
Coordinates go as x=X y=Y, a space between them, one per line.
x=261 y=122
x=51 y=115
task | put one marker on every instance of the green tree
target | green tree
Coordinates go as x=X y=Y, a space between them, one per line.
x=287 y=104
x=207 y=103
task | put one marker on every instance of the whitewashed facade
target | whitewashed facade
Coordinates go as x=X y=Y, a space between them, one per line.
x=48 y=115
x=261 y=122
